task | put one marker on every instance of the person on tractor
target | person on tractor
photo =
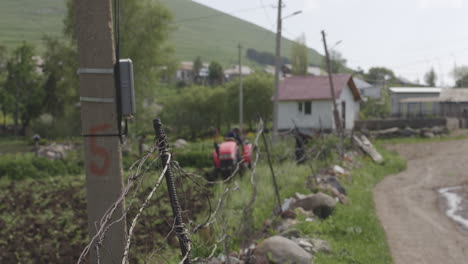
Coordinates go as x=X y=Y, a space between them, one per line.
x=234 y=134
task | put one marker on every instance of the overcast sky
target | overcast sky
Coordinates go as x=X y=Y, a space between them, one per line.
x=408 y=36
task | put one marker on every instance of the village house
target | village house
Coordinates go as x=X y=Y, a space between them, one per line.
x=233 y=72
x=414 y=101
x=306 y=102
x=368 y=90
x=185 y=72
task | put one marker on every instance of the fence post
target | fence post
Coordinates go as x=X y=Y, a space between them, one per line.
x=180 y=230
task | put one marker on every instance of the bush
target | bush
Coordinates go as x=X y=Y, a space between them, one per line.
x=194 y=158
x=21 y=166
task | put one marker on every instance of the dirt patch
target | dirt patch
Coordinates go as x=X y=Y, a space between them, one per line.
x=408 y=204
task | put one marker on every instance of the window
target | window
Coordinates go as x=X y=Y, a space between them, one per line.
x=300 y=107
x=308 y=108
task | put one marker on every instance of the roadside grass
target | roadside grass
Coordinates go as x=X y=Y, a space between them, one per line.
x=353 y=230
x=411 y=140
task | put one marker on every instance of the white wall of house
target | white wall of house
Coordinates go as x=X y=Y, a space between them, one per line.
x=352 y=107
x=321 y=115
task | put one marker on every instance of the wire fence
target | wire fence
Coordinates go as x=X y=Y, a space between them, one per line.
x=183 y=223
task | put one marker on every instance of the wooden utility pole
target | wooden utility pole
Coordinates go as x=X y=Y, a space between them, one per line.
x=103 y=157
x=241 y=94
x=277 y=72
x=336 y=114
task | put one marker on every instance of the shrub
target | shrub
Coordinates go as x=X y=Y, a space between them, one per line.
x=194 y=158
x=21 y=166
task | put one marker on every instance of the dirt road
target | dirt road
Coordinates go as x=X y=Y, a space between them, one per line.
x=409 y=206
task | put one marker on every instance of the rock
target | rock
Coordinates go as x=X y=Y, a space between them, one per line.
x=333 y=181
x=279 y=249
x=291 y=233
x=319 y=245
x=321 y=204
x=214 y=261
x=145 y=148
x=53 y=151
x=300 y=211
x=287 y=224
x=180 y=143
x=428 y=135
x=364 y=143
x=234 y=260
x=438 y=130
x=287 y=204
x=339 y=170
x=304 y=243
x=288 y=214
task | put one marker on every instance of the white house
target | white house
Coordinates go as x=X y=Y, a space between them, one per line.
x=306 y=101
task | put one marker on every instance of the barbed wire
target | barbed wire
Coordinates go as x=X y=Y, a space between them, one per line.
x=140 y=168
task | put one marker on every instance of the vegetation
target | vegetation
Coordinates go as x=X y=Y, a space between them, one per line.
x=460 y=74
x=215 y=73
x=299 y=56
x=23 y=86
x=337 y=62
x=198 y=110
x=430 y=77
x=22 y=166
x=264 y=57
x=200 y=30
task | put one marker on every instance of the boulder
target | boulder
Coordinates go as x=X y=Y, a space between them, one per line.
x=319 y=245
x=291 y=233
x=287 y=224
x=321 y=204
x=364 y=143
x=428 y=135
x=180 y=143
x=279 y=249
x=300 y=211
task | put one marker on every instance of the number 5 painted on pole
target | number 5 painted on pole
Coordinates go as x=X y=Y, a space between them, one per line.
x=99 y=151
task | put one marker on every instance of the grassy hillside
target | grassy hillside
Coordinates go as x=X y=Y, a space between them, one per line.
x=200 y=30
x=29 y=20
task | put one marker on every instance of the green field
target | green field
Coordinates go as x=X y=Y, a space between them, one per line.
x=200 y=30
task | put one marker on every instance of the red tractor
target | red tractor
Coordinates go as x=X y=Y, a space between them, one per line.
x=227 y=157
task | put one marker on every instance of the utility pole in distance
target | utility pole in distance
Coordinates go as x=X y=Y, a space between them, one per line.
x=336 y=114
x=241 y=94
x=99 y=118
x=277 y=69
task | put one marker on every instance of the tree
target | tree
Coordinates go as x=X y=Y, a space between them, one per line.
x=299 y=56
x=430 y=77
x=377 y=75
x=215 y=73
x=258 y=91
x=61 y=82
x=5 y=99
x=196 y=110
x=337 y=62
x=23 y=84
x=460 y=75
x=197 y=66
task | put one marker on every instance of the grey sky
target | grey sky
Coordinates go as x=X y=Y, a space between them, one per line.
x=408 y=36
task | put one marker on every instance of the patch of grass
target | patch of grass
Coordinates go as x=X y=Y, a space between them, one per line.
x=10 y=145
x=411 y=140
x=354 y=231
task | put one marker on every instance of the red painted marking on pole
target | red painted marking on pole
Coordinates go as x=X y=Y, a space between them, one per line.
x=99 y=151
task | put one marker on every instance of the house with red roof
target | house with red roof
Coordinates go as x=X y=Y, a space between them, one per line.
x=306 y=102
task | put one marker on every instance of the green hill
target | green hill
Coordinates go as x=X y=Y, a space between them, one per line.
x=200 y=30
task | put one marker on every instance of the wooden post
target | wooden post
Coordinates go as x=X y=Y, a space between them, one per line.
x=103 y=157
x=336 y=115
